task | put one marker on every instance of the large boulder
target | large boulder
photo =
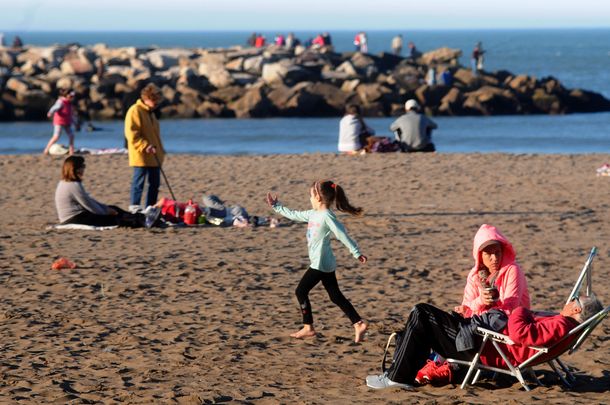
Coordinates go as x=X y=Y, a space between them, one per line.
x=254 y=64
x=489 y=100
x=466 y=78
x=298 y=101
x=216 y=73
x=431 y=96
x=17 y=84
x=371 y=92
x=227 y=94
x=547 y=103
x=451 y=103
x=521 y=84
x=254 y=103
x=586 y=101
x=163 y=59
x=285 y=72
x=442 y=56
x=76 y=63
x=332 y=95
x=210 y=109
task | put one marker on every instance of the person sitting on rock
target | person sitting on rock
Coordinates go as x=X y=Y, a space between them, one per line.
x=353 y=131
x=431 y=328
x=413 y=130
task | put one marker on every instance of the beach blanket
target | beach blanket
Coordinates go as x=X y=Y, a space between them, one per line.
x=81 y=227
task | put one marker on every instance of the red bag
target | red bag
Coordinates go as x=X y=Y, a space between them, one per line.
x=173 y=211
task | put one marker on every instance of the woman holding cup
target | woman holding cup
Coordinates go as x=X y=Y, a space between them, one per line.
x=496 y=280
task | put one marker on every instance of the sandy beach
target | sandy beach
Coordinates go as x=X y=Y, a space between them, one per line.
x=202 y=315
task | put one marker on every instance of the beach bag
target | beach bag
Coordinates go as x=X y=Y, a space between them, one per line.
x=173 y=211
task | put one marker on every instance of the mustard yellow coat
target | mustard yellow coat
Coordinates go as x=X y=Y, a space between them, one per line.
x=142 y=130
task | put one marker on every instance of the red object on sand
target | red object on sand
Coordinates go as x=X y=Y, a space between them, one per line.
x=62 y=263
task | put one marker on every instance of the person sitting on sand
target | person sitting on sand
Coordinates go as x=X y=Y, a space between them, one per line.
x=431 y=328
x=413 y=130
x=322 y=221
x=353 y=131
x=75 y=206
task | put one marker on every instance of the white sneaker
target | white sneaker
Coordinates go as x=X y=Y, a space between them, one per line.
x=134 y=209
x=382 y=381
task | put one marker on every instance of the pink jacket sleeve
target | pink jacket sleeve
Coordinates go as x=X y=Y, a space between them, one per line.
x=524 y=330
x=512 y=287
x=472 y=297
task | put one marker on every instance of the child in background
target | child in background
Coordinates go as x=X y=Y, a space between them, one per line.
x=62 y=113
x=321 y=222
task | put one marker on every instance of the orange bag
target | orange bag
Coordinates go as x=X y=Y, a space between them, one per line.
x=62 y=263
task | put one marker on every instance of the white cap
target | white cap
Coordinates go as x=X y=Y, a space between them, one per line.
x=411 y=104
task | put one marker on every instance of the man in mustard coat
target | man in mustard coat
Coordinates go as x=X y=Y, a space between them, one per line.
x=144 y=145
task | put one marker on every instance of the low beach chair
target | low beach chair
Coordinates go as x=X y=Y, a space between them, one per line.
x=550 y=355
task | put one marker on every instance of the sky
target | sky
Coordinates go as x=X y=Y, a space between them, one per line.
x=247 y=15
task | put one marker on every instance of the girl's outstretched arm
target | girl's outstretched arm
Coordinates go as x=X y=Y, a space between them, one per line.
x=297 y=216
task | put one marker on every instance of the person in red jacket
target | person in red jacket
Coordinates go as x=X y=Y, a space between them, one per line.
x=63 y=116
x=429 y=328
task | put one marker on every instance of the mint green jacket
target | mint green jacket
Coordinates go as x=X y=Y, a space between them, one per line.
x=320 y=224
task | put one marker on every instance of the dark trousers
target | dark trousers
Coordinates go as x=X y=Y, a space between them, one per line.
x=428 y=328
x=137 y=184
x=329 y=281
x=123 y=218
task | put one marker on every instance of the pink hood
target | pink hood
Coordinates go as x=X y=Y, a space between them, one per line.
x=510 y=281
x=487 y=233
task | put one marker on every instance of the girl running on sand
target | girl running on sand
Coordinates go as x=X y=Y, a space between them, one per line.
x=62 y=114
x=321 y=222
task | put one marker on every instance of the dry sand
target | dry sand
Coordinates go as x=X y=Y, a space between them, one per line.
x=203 y=315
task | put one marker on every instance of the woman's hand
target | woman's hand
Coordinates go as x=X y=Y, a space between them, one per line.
x=461 y=309
x=271 y=199
x=487 y=297
x=362 y=259
x=151 y=149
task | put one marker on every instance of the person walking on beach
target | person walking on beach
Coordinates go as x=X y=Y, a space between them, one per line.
x=413 y=130
x=63 y=117
x=144 y=146
x=397 y=45
x=322 y=221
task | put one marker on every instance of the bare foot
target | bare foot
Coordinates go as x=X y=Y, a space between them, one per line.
x=359 y=330
x=307 y=331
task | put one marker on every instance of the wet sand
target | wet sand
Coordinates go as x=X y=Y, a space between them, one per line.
x=202 y=315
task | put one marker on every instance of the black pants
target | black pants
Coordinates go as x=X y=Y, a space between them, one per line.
x=428 y=328
x=124 y=218
x=329 y=281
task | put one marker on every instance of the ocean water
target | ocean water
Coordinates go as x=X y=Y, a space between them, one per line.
x=580 y=58
x=576 y=133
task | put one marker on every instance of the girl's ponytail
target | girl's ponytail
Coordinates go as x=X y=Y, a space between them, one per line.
x=330 y=191
x=342 y=202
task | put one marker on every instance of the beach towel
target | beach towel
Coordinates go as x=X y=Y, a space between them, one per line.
x=81 y=227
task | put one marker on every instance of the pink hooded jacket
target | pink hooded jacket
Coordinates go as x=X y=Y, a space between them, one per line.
x=510 y=281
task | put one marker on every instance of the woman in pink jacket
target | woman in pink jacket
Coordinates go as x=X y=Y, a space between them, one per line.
x=496 y=280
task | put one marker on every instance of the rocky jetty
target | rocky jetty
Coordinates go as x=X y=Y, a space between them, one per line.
x=250 y=82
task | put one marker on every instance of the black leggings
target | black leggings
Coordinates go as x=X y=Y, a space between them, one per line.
x=123 y=218
x=329 y=281
x=428 y=328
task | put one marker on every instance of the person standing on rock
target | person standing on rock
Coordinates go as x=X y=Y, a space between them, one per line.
x=63 y=117
x=397 y=45
x=144 y=145
x=476 y=61
x=413 y=130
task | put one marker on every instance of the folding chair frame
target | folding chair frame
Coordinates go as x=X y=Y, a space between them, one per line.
x=582 y=331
